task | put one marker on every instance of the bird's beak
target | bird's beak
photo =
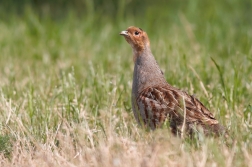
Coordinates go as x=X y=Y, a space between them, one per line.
x=124 y=33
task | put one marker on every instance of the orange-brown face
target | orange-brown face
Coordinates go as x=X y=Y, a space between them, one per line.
x=136 y=37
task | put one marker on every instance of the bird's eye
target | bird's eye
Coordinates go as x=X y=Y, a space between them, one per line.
x=136 y=33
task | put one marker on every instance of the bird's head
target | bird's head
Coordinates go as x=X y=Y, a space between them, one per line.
x=137 y=38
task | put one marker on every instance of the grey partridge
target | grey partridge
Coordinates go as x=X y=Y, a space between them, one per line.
x=154 y=100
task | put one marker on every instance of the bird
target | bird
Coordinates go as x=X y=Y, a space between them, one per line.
x=154 y=101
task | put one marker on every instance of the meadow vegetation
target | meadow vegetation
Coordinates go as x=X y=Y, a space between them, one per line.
x=66 y=75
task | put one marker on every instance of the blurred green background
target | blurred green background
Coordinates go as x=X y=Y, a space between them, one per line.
x=213 y=22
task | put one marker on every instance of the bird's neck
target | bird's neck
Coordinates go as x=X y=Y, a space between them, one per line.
x=141 y=51
x=147 y=73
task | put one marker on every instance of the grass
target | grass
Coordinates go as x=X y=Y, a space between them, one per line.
x=66 y=84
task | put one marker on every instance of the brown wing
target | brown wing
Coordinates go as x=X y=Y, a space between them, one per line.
x=157 y=103
x=154 y=106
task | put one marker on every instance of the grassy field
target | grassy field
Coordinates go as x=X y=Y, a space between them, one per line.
x=65 y=85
